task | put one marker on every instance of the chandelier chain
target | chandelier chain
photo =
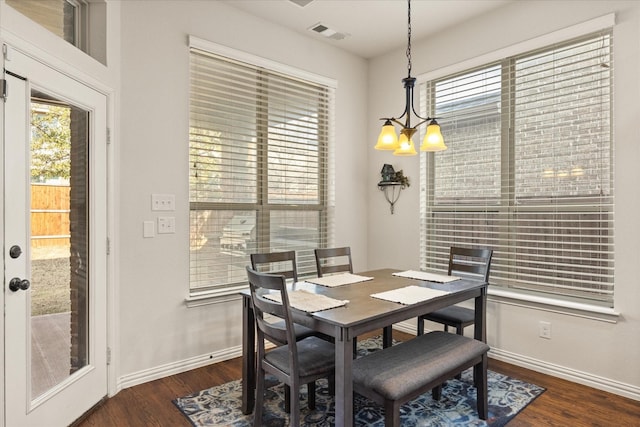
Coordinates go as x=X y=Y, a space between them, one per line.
x=409 y=37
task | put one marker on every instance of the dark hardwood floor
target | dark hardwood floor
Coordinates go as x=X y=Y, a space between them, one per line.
x=563 y=403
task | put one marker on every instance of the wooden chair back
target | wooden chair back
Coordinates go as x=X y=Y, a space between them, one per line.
x=470 y=263
x=280 y=263
x=267 y=310
x=333 y=260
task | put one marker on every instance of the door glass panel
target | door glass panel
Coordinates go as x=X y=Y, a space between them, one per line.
x=59 y=242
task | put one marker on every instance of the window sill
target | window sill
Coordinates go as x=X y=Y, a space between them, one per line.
x=571 y=308
x=200 y=298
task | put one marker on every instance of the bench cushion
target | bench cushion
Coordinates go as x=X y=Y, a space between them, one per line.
x=397 y=371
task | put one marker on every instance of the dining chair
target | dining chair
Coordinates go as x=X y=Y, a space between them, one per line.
x=293 y=362
x=338 y=260
x=468 y=263
x=284 y=263
x=333 y=260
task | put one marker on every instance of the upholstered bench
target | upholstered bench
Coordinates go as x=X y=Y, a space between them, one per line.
x=395 y=375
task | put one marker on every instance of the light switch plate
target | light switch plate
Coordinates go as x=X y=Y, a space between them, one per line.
x=148 y=229
x=166 y=224
x=163 y=202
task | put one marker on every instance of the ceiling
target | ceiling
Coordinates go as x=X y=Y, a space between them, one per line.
x=367 y=27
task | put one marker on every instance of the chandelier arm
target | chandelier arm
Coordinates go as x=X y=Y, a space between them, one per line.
x=428 y=119
x=424 y=119
x=397 y=121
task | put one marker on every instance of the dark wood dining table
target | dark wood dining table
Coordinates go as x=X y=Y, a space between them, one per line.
x=360 y=315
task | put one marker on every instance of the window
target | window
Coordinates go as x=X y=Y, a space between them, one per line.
x=81 y=23
x=258 y=153
x=529 y=169
x=61 y=17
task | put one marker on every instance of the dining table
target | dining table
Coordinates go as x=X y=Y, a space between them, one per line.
x=361 y=314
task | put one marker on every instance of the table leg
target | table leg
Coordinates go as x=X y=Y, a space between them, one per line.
x=387 y=336
x=480 y=327
x=248 y=357
x=344 y=384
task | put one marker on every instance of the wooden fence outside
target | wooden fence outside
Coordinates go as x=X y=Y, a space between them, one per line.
x=50 y=207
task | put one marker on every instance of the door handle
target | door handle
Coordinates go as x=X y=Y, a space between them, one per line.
x=16 y=284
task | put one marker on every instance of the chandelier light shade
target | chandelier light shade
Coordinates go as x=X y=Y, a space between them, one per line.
x=404 y=145
x=433 y=140
x=388 y=140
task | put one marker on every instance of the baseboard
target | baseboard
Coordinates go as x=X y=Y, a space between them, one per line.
x=407 y=327
x=584 y=378
x=177 y=367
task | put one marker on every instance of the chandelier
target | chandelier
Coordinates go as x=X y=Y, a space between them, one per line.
x=404 y=146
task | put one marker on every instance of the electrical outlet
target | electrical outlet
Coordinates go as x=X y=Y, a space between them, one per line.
x=545 y=330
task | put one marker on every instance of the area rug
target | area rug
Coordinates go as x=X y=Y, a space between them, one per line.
x=220 y=405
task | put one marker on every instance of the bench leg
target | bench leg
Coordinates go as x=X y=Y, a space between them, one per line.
x=480 y=378
x=391 y=413
x=436 y=392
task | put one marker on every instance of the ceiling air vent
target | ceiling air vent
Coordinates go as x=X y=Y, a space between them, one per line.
x=301 y=3
x=327 y=32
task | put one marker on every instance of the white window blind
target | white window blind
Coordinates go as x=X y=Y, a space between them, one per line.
x=529 y=169
x=258 y=153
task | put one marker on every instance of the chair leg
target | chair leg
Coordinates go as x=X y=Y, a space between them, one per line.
x=311 y=395
x=257 y=412
x=287 y=399
x=459 y=331
x=294 y=415
x=355 y=347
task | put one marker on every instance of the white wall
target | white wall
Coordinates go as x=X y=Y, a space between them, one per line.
x=157 y=330
x=590 y=351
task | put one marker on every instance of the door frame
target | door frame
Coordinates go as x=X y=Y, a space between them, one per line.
x=103 y=84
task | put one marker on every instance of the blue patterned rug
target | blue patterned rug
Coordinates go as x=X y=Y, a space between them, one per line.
x=220 y=406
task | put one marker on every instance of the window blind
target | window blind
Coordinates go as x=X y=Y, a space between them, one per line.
x=259 y=168
x=529 y=169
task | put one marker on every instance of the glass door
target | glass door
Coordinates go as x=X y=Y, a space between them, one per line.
x=55 y=242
